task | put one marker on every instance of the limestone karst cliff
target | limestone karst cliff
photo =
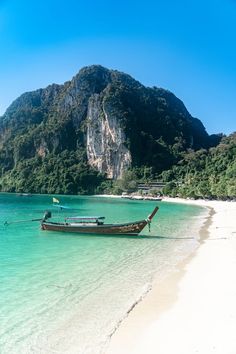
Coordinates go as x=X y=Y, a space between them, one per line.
x=105 y=142
x=104 y=120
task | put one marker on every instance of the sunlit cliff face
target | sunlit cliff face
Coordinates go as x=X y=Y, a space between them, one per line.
x=105 y=143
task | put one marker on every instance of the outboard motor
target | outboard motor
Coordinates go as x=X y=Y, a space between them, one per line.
x=47 y=215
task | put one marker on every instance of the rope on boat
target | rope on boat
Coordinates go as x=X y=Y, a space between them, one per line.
x=149 y=218
x=149 y=224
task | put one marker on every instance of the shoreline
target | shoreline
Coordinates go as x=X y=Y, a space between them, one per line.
x=178 y=309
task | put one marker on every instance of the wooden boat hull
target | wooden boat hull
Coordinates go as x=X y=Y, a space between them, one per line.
x=133 y=228
x=98 y=228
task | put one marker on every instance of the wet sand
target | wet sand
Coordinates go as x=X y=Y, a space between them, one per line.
x=194 y=309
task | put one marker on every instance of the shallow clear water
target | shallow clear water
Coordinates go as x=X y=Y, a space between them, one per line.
x=66 y=293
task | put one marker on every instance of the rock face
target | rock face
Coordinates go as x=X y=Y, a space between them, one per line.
x=105 y=141
x=106 y=115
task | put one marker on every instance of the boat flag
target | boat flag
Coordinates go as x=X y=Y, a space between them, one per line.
x=55 y=200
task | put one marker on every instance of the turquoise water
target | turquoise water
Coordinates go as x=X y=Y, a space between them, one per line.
x=63 y=293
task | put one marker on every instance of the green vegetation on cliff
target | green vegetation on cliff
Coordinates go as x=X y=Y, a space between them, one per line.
x=205 y=173
x=45 y=146
x=64 y=173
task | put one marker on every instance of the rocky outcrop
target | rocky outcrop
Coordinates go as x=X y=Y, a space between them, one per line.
x=105 y=119
x=105 y=141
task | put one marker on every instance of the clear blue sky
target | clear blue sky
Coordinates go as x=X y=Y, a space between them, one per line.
x=188 y=47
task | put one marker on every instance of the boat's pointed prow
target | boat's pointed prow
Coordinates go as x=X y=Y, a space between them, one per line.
x=151 y=216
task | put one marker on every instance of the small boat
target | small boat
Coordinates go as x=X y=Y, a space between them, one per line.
x=95 y=225
x=156 y=199
x=139 y=197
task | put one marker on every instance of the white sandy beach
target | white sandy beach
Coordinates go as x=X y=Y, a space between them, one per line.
x=194 y=309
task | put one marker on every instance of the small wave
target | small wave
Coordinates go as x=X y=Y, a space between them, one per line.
x=146 y=289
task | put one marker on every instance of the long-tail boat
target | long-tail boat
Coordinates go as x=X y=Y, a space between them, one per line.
x=95 y=225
